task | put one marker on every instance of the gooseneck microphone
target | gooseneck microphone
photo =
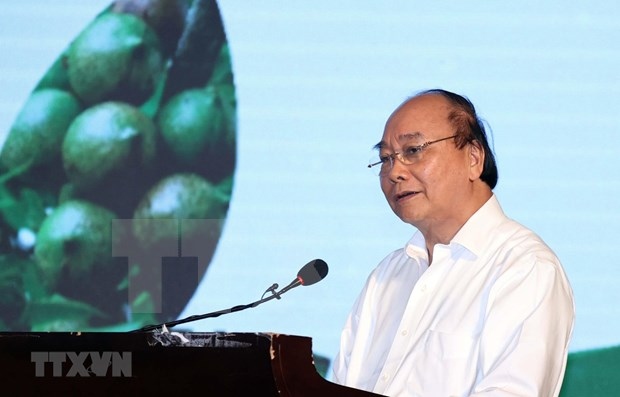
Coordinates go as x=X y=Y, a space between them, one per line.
x=311 y=273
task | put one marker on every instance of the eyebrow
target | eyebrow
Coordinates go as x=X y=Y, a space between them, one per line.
x=404 y=137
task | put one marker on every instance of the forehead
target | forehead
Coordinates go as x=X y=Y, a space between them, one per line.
x=401 y=139
x=417 y=119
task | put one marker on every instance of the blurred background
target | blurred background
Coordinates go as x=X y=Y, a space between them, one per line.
x=314 y=85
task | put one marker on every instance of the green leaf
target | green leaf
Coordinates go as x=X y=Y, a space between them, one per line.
x=27 y=212
x=134 y=270
x=12 y=297
x=57 y=313
x=143 y=309
x=15 y=172
x=34 y=289
x=222 y=72
x=7 y=199
x=151 y=106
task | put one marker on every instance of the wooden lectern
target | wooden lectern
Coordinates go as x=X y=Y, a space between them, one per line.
x=154 y=363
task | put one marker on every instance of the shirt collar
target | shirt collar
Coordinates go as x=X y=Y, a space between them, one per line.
x=416 y=246
x=472 y=235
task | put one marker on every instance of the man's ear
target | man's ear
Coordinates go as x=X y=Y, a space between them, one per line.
x=476 y=160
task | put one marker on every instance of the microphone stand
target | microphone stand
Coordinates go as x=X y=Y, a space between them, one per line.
x=196 y=317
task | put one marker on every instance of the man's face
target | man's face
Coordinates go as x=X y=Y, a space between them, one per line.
x=433 y=191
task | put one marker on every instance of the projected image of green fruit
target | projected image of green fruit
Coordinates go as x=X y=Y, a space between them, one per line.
x=108 y=137
x=190 y=122
x=73 y=239
x=133 y=123
x=38 y=132
x=117 y=57
x=179 y=196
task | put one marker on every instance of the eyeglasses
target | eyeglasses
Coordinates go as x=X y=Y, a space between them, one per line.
x=409 y=155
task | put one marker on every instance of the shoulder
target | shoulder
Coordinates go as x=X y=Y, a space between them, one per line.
x=524 y=261
x=514 y=238
x=524 y=245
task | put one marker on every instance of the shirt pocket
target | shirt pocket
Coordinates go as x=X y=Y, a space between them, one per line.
x=449 y=361
x=450 y=346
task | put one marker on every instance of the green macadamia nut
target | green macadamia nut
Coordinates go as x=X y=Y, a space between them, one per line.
x=37 y=134
x=74 y=238
x=182 y=196
x=190 y=122
x=117 y=57
x=106 y=138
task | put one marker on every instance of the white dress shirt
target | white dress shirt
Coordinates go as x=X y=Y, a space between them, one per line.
x=492 y=316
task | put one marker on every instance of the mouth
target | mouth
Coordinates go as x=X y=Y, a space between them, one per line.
x=404 y=195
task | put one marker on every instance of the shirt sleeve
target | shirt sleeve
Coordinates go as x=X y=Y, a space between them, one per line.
x=524 y=342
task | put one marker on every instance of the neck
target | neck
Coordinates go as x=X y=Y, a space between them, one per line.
x=443 y=232
x=443 y=236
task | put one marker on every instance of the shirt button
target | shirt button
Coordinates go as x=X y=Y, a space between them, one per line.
x=423 y=289
x=385 y=377
x=404 y=332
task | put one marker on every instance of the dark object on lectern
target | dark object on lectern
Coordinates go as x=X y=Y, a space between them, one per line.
x=155 y=363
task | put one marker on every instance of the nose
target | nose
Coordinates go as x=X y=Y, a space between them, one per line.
x=397 y=172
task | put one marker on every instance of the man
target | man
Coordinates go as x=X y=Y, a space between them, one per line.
x=475 y=304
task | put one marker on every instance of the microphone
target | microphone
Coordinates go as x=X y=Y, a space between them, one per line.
x=311 y=273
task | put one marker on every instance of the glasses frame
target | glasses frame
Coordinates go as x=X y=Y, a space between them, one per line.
x=399 y=155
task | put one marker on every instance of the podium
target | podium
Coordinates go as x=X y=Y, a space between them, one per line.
x=154 y=363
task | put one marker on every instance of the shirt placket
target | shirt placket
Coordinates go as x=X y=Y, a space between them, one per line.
x=416 y=319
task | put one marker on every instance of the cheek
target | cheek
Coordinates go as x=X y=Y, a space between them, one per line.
x=450 y=183
x=437 y=179
x=429 y=175
x=385 y=186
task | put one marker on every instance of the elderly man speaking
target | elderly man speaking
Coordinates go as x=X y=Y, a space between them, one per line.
x=474 y=304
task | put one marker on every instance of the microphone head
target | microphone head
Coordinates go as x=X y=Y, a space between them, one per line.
x=312 y=272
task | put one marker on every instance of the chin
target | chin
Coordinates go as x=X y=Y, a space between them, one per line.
x=411 y=219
